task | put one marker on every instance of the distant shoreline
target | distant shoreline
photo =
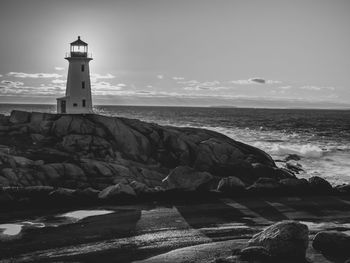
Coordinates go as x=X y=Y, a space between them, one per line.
x=184 y=106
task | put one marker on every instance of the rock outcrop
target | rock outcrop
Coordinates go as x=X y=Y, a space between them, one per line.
x=97 y=153
x=81 y=151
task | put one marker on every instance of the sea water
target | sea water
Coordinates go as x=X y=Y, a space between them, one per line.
x=320 y=137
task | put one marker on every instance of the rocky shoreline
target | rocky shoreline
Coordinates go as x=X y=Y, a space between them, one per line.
x=52 y=160
x=54 y=157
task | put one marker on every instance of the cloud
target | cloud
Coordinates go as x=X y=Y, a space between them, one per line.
x=101 y=76
x=195 y=85
x=18 y=89
x=143 y=92
x=178 y=78
x=254 y=81
x=189 y=82
x=207 y=85
x=59 y=68
x=106 y=88
x=316 y=88
x=285 y=87
x=95 y=77
x=33 y=75
x=12 y=84
x=59 y=81
x=198 y=88
x=0 y=75
x=273 y=82
x=160 y=77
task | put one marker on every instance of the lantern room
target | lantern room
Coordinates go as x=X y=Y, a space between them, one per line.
x=78 y=48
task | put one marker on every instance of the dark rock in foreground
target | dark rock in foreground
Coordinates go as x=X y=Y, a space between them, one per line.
x=332 y=243
x=284 y=240
x=253 y=254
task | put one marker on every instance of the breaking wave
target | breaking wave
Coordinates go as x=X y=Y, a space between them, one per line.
x=305 y=150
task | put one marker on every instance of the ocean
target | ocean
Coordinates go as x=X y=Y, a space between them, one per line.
x=320 y=137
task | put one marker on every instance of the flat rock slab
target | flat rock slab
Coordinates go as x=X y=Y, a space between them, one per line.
x=207 y=253
x=140 y=232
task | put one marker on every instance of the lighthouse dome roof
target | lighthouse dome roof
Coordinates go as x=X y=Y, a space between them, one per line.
x=78 y=42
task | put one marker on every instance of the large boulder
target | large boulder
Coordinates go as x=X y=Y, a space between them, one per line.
x=295 y=186
x=267 y=171
x=319 y=185
x=87 y=194
x=231 y=184
x=76 y=124
x=87 y=144
x=19 y=117
x=114 y=192
x=62 y=195
x=344 y=188
x=140 y=188
x=62 y=174
x=22 y=161
x=186 y=178
x=332 y=243
x=130 y=142
x=284 y=240
x=265 y=186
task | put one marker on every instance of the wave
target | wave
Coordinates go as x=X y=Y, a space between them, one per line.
x=304 y=150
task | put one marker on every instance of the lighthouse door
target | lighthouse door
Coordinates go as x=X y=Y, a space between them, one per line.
x=63 y=106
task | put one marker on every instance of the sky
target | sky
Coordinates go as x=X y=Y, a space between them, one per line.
x=247 y=53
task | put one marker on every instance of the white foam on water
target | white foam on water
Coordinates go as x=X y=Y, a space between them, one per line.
x=81 y=214
x=283 y=149
x=306 y=150
x=11 y=229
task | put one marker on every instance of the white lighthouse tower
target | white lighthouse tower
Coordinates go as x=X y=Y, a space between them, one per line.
x=78 y=89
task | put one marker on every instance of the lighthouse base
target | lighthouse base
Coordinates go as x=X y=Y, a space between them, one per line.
x=69 y=105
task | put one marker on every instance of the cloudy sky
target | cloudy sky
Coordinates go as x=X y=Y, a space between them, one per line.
x=269 y=53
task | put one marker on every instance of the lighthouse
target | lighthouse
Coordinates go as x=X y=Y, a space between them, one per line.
x=77 y=99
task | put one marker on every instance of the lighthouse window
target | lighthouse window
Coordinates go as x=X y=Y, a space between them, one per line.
x=84 y=103
x=82 y=68
x=83 y=84
x=75 y=104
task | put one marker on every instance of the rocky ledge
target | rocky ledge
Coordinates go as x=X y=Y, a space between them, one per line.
x=53 y=155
